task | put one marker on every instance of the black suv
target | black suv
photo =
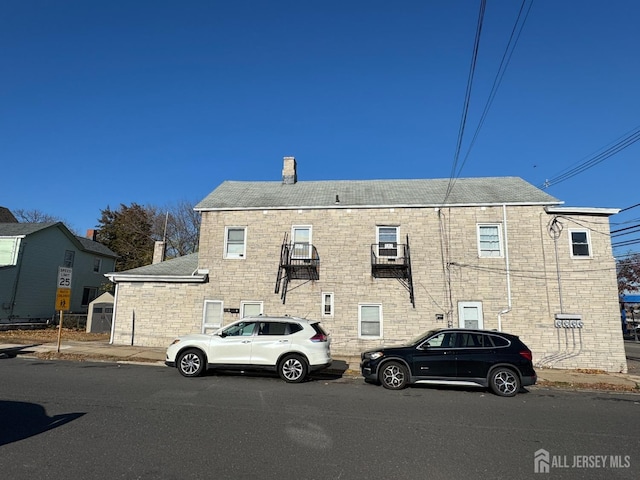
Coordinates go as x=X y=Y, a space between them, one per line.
x=454 y=356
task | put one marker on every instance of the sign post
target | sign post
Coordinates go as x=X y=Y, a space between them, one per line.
x=63 y=296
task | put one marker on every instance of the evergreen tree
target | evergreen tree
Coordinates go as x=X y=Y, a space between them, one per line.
x=128 y=232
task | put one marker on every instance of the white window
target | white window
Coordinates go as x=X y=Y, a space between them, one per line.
x=250 y=309
x=580 y=243
x=370 y=321
x=301 y=239
x=97 y=264
x=489 y=241
x=387 y=241
x=9 y=247
x=69 y=255
x=235 y=244
x=327 y=304
x=211 y=316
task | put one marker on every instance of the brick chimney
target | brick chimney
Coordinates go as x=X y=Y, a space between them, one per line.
x=91 y=234
x=289 y=174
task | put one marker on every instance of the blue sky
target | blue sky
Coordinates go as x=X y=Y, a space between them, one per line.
x=153 y=102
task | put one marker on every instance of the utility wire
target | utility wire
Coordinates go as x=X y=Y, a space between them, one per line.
x=467 y=99
x=504 y=63
x=623 y=142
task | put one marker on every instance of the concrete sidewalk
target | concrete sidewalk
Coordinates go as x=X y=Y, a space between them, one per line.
x=347 y=366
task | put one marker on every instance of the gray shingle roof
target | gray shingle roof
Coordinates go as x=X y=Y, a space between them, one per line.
x=14 y=229
x=232 y=195
x=180 y=266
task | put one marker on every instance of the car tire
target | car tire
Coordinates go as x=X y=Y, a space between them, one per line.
x=394 y=375
x=504 y=382
x=191 y=363
x=293 y=369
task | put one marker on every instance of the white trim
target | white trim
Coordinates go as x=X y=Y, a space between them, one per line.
x=462 y=306
x=589 y=244
x=235 y=256
x=293 y=240
x=582 y=210
x=397 y=242
x=359 y=207
x=243 y=303
x=369 y=337
x=115 y=278
x=498 y=228
x=212 y=326
x=323 y=305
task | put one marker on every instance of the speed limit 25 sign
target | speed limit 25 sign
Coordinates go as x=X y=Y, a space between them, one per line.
x=64 y=277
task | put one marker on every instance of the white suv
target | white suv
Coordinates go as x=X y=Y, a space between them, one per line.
x=289 y=345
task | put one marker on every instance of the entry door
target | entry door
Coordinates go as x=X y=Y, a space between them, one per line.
x=301 y=237
x=470 y=315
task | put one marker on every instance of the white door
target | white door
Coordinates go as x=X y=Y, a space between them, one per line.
x=470 y=315
x=211 y=316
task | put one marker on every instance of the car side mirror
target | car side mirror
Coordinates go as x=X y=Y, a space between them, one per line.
x=222 y=334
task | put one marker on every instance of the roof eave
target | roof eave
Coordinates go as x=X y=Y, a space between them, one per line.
x=115 y=278
x=582 y=211
x=338 y=207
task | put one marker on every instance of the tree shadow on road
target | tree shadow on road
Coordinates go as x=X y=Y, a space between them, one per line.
x=20 y=420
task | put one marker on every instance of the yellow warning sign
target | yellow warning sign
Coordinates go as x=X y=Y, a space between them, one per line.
x=63 y=298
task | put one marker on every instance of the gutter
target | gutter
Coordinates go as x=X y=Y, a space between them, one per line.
x=198 y=278
x=506 y=261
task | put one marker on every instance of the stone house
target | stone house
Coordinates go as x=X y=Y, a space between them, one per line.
x=380 y=261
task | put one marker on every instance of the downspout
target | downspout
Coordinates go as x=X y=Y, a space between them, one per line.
x=113 y=314
x=506 y=261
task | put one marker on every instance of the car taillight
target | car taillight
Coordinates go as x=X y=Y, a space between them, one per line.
x=527 y=354
x=319 y=337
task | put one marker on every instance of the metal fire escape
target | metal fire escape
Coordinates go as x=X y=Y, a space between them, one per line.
x=393 y=260
x=298 y=261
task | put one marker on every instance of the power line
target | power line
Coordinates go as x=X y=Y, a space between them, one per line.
x=622 y=143
x=467 y=99
x=504 y=63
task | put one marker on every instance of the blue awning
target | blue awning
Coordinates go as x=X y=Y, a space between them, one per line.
x=630 y=298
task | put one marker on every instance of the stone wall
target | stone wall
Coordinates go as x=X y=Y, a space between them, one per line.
x=446 y=270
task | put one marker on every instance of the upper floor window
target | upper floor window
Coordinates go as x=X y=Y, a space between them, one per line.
x=9 y=250
x=387 y=241
x=69 y=255
x=235 y=242
x=301 y=237
x=489 y=241
x=580 y=243
x=97 y=264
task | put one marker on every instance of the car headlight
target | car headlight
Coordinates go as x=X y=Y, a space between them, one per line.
x=177 y=340
x=374 y=355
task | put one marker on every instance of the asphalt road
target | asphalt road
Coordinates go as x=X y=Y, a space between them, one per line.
x=82 y=420
x=632 y=351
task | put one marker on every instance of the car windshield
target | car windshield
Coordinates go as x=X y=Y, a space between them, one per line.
x=422 y=336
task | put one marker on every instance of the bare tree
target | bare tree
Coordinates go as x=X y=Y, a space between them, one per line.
x=176 y=224
x=34 y=216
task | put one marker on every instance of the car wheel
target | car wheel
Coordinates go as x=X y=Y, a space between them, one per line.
x=394 y=376
x=504 y=382
x=293 y=369
x=191 y=363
